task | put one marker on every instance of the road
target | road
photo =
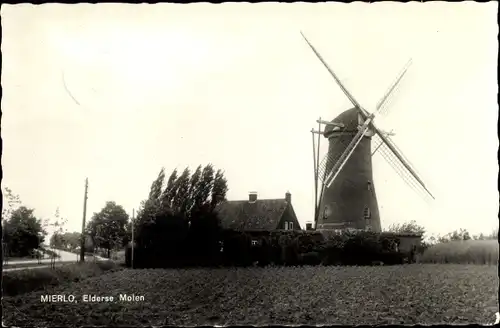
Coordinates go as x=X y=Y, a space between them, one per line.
x=65 y=257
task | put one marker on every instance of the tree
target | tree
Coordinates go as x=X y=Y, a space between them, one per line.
x=188 y=193
x=155 y=203
x=219 y=189
x=205 y=187
x=158 y=203
x=461 y=234
x=73 y=240
x=57 y=240
x=491 y=236
x=456 y=235
x=204 y=234
x=23 y=232
x=407 y=228
x=67 y=240
x=181 y=199
x=108 y=227
x=184 y=212
x=481 y=236
x=194 y=185
x=168 y=194
x=13 y=202
x=156 y=188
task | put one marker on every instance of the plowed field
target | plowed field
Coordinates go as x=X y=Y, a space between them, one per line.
x=409 y=294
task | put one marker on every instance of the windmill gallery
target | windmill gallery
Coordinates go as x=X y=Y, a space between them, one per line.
x=345 y=195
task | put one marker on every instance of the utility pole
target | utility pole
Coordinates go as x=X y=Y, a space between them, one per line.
x=82 y=241
x=133 y=241
x=315 y=177
x=317 y=200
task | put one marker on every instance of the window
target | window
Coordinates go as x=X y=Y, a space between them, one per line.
x=369 y=186
x=291 y=225
x=326 y=212
x=366 y=213
x=286 y=225
x=254 y=242
x=367 y=216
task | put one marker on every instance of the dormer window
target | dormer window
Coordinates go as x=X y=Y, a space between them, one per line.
x=286 y=225
x=290 y=225
x=369 y=185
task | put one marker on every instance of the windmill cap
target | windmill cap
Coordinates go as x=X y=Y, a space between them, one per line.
x=350 y=120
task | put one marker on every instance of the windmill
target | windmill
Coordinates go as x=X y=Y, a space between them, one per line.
x=347 y=198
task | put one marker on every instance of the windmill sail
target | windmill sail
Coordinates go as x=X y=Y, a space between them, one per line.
x=392 y=148
x=363 y=130
x=346 y=92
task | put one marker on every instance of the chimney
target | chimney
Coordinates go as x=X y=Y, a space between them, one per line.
x=288 y=197
x=252 y=196
x=309 y=226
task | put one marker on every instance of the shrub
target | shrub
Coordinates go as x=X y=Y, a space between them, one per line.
x=23 y=281
x=360 y=248
x=237 y=249
x=310 y=258
x=288 y=248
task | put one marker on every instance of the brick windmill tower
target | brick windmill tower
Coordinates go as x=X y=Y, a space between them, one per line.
x=346 y=198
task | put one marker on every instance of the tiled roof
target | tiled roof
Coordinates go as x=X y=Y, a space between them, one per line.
x=261 y=215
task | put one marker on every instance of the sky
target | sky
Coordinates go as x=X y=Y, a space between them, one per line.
x=114 y=92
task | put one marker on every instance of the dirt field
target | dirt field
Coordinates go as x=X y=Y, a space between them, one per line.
x=410 y=294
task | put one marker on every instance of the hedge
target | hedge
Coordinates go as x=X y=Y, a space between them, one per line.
x=284 y=248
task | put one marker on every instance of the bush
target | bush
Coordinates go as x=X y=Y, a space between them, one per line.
x=24 y=281
x=310 y=258
x=359 y=248
x=289 y=248
x=237 y=249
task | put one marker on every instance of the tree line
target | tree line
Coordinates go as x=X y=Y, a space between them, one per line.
x=22 y=231
x=177 y=219
x=461 y=234
x=176 y=208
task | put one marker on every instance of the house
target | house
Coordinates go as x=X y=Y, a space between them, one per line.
x=258 y=215
x=407 y=241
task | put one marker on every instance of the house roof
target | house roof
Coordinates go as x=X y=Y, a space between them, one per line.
x=261 y=215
